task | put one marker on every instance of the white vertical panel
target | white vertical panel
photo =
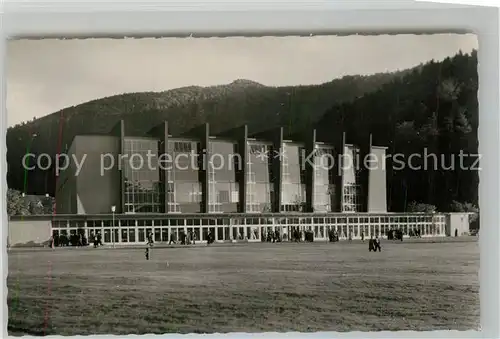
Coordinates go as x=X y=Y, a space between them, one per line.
x=377 y=181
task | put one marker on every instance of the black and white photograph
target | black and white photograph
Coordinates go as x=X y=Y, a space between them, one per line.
x=243 y=184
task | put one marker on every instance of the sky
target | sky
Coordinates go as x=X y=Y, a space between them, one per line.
x=45 y=76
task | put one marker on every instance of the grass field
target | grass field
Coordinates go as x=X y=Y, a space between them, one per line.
x=245 y=288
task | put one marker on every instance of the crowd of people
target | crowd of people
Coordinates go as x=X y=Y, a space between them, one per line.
x=188 y=238
x=299 y=236
x=271 y=236
x=333 y=236
x=374 y=244
x=295 y=236
x=76 y=240
x=395 y=234
x=80 y=240
x=415 y=233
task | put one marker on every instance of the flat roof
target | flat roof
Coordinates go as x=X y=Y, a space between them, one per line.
x=156 y=216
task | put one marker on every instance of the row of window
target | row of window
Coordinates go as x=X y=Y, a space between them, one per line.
x=298 y=207
x=221 y=182
x=142 y=197
x=352 y=198
x=144 y=144
x=257 y=208
x=215 y=208
x=258 y=190
x=143 y=208
x=174 y=208
x=293 y=192
x=225 y=192
x=142 y=184
x=182 y=146
x=322 y=208
x=397 y=220
x=188 y=197
x=291 y=153
x=133 y=235
x=140 y=144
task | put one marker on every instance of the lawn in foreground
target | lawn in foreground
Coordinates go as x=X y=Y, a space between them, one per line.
x=245 y=288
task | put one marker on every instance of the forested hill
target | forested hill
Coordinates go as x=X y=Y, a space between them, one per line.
x=224 y=107
x=433 y=108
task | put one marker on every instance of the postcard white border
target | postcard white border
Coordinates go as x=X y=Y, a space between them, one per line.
x=38 y=19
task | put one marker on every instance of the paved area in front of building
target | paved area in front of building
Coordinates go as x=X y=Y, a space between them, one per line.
x=108 y=246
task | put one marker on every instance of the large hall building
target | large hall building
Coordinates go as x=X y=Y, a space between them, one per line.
x=235 y=185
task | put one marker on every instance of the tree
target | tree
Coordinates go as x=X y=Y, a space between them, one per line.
x=431 y=109
x=415 y=207
x=16 y=204
x=465 y=207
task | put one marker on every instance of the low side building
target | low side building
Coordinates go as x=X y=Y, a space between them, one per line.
x=29 y=231
x=128 y=229
x=457 y=224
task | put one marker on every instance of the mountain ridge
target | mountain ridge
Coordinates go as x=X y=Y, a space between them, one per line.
x=225 y=106
x=237 y=84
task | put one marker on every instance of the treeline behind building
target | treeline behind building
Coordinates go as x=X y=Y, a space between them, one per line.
x=433 y=109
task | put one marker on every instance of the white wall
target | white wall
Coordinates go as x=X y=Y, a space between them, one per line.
x=459 y=222
x=29 y=232
x=377 y=181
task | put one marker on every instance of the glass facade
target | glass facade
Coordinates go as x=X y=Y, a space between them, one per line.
x=209 y=180
x=351 y=197
x=184 y=194
x=324 y=189
x=168 y=229
x=222 y=164
x=293 y=188
x=143 y=189
x=258 y=175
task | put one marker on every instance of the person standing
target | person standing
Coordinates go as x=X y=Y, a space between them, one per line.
x=209 y=238
x=150 y=239
x=377 y=244
x=172 y=236
x=371 y=244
